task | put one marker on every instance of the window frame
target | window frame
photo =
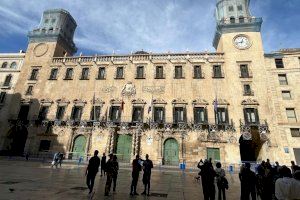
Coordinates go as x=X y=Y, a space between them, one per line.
x=2 y=97
x=4 y=65
x=85 y=73
x=294 y=115
x=197 y=73
x=286 y=92
x=99 y=77
x=279 y=63
x=161 y=117
x=221 y=75
x=293 y=130
x=159 y=72
x=118 y=71
x=52 y=75
x=68 y=71
x=140 y=75
x=29 y=90
x=178 y=72
x=283 y=82
x=34 y=74
x=60 y=116
x=140 y=117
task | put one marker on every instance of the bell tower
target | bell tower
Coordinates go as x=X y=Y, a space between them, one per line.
x=233 y=17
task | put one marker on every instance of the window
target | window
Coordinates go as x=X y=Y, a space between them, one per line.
x=95 y=113
x=140 y=72
x=2 y=97
x=46 y=21
x=232 y=20
x=4 y=65
x=120 y=73
x=251 y=116
x=247 y=90
x=217 y=71
x=60 y=112
x=85 y=74
x=197 y=72
x=69 y=74
x=200 y=115
x=178 y=72
x=44 y=145
x=295 y=132
x=230 y=8
x=159 y=114
x=291 y=115
x=179 y=115
x=115 y=114
x=282 y=79
x=279 y=63
x=241 y=19
x=137 y=114
x=76 y=113
x=221 y=115
x=244 y=71
x=34 y=74
x=13 y=65
x=286 y=95
x=159 y=72
x=53 y=74
x=29 y=90
x=43 y=113
x=23 y=113
x=53 y=20
x=101 y=73
x=240 y=7
x=7 y=80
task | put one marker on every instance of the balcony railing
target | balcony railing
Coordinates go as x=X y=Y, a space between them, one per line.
x=245 y=20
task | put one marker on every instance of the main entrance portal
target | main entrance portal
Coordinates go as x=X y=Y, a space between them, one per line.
x=171 y=152
x=124 y=148
x=17 y=137
x=79 y=146
x=249 y=149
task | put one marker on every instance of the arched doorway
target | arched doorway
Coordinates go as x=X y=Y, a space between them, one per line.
x=171 y=152
x=249 y=149
x=17 y=137
x=123 y=151
x=79 y=146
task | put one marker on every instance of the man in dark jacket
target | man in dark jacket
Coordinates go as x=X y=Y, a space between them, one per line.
x=136 y=168
x=248 y=179
x=110 y=170
x=92 y=170
x=147 y=166
x=103 y=164
x=208 y=174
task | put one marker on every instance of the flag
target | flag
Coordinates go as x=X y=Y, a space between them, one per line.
x=216 y=104
x=150 y=106
x=94 y=113
x=122 y=105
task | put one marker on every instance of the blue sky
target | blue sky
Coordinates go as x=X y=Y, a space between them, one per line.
x=124 y=26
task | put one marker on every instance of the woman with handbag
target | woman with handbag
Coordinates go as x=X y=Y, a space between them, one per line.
x=222 y=182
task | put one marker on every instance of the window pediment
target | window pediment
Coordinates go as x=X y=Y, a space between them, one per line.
x=179 y=101
x=250 y=101
x=116 y=101
x=199 y=102
x=97 y=101
x=26 y=101
x=138 y=101
x=79 y=102
x=62 y=101
x=159 y=101
x=46 y=101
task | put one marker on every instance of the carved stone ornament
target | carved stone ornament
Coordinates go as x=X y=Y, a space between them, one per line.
x=108 y=89
x=138 y=101
x=62 y=101
x=128 y=90
x=159 y=101
x=46 y=101
x=26 y=101
x=97 y=101
x=79 y=102
x=221 y=102
x=154 y=89
x=179 y=101
x=116 y=101
x=199 y=102
x=250 y=101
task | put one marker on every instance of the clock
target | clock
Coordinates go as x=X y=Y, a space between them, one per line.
x=40 y=49
x=241 y=42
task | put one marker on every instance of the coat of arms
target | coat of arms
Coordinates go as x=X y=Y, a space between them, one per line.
x=128 y=90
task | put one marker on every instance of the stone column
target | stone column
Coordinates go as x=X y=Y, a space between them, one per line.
x=133 y=144
x=112 y=140
x=137 y=141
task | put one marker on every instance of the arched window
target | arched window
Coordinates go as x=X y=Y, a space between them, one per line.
x=232 y=20
x=13 y=65
x=4 y=65
x=7 y=80
x=241 y=19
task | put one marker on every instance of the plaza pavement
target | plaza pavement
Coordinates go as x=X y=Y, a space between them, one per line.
x=21 y=179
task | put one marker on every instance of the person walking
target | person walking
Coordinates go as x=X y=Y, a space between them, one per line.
x=208 y=174
x=60 y=159
x=115 y=172
x=103 y=164
x=147 y=166
x=247 y=178
x=222 y=182
x=55 y=160
x=109 y=168
x=91 y=171
x=136 y=168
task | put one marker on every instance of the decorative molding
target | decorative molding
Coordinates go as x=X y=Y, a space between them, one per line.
x=97 y=101
x=46 y=101
x=108 y=89
x=138 y=101
x=116 y=101
x=199 y=101
x=26 y=101
x=159 y=101
x=79 y=102
x=179 y=101
x=221 y=102
x=128 y=90
x=250 y=101
x=154 y=89
x=62 y=101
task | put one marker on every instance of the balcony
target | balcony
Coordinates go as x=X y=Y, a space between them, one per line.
x=246 y=20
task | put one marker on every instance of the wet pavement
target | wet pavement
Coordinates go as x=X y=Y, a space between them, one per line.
x=36 y=180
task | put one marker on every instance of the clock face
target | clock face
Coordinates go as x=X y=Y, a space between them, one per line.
x=241 y=42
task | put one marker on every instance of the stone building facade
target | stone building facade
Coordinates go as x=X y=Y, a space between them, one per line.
x=177 y=107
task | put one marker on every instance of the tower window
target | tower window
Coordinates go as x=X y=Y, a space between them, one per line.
x=13 y=65
x=34 y=74
x=230 y=9
x=120 y=73
x=282 y=79
x=85 y=74
x=279 y=63
x=286 y=95
x=4 y=65
x=101 y=73
x=69 y=74
x=247 y=90
x=244 y=71
x=7 y=80
x=159 y=72
x=53 y=74
x=240 y=7
x=29 y=90
x=2 y=97
x=178 y=72
x=291 y=115
x=140 y=72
